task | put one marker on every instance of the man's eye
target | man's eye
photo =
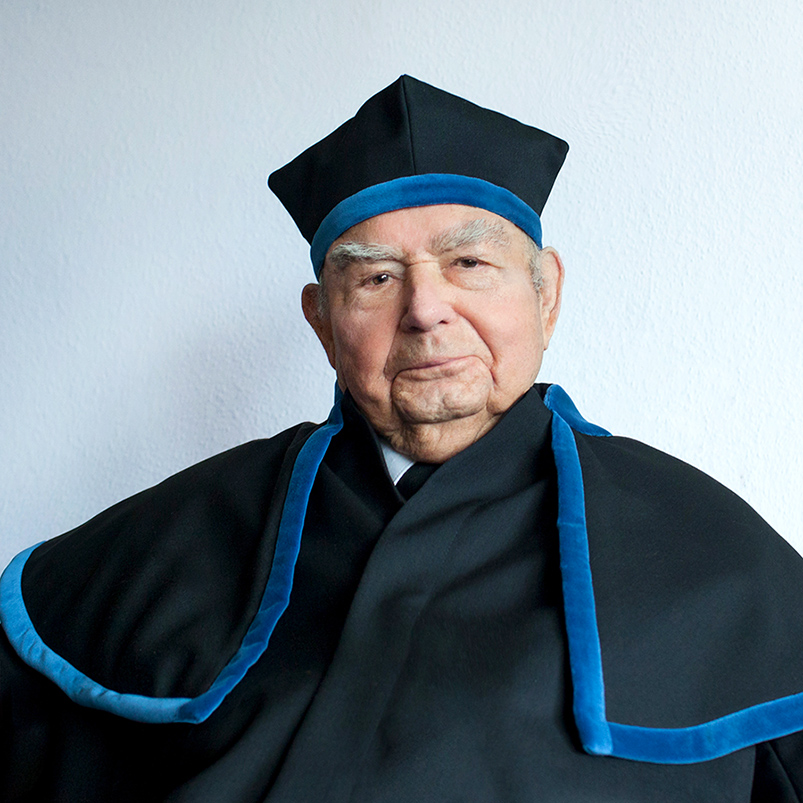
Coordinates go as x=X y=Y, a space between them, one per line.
x=468 y=262
x=379 y=278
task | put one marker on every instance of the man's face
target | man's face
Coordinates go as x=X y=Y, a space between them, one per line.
x=433 y=323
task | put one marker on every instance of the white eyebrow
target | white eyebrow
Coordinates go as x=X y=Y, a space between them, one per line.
x=343 y=254
x=471 y=233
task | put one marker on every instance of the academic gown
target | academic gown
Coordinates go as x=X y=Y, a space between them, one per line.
x=555 y=615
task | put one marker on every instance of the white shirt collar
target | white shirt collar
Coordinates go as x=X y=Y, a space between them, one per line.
x=395 y=462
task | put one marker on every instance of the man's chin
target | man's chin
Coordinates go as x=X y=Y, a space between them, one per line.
x=419 y=404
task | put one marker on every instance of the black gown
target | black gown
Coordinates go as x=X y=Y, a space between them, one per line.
x=424 y=651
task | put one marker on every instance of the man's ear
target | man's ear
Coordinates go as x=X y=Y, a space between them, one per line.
x=551 y=291
x=318 y=319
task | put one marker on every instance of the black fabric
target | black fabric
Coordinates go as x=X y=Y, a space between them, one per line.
x=202 y=543
x=677 y=610
x=415 y=476
x=777 y=775
x=51 y=749
x=422 y=657
x=411 y=128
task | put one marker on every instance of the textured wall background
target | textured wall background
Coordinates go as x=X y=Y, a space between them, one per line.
x=149 y=281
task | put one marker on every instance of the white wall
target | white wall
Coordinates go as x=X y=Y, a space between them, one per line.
x=149 y=281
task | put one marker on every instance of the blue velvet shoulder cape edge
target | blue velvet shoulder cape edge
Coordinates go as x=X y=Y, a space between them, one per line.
x=599 y=736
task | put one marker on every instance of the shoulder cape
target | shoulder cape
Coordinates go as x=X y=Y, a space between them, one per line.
x=681 y=604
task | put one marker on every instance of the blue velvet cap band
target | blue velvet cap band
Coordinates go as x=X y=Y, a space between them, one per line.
x=427 y=189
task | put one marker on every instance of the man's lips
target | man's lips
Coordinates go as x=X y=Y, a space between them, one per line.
x=435 y=368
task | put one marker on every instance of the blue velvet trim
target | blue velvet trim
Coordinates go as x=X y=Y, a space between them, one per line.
x=708 y=740
x=713 y=739
x=427 y=189
x=29 y=646
x=702 y=742
x=585 y=655
x=85 y=691
x=557 y=400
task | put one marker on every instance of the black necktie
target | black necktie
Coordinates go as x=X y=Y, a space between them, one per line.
x=414 y=478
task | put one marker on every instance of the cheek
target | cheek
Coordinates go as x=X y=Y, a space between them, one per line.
x=515 y=341
x=362 y=344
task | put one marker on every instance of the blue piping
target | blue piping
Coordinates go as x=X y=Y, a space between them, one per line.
x=693 y=744
x=759 y=723
x=585 y=656
x=702 y=742
x=87 y=692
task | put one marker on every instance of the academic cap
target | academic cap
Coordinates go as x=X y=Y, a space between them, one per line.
x=415 y=145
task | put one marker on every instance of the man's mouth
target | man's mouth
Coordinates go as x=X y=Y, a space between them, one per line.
x=435 y=368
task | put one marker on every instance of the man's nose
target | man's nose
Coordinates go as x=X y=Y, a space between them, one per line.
x=428 y=298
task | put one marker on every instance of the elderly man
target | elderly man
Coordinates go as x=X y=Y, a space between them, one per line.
x=455 y=589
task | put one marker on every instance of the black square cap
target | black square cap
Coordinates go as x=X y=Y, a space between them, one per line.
x=415 y=145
